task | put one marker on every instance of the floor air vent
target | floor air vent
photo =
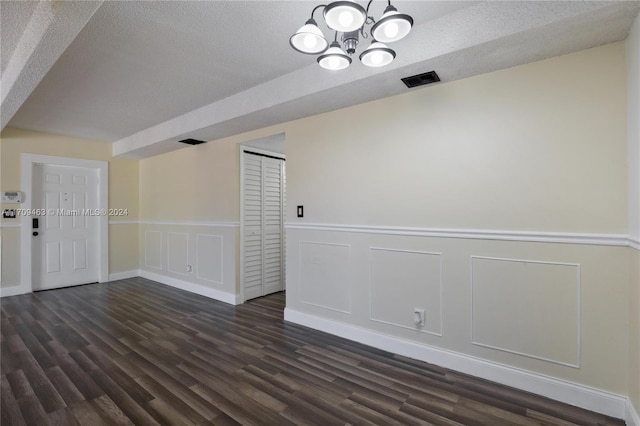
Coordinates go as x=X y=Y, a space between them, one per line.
x=421 y=79
x=192 y=141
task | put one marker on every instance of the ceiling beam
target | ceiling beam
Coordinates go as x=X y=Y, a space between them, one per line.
x=295 y=95
x=51 y=29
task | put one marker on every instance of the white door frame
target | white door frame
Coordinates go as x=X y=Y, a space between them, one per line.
x=243 y=150
x=26 y=179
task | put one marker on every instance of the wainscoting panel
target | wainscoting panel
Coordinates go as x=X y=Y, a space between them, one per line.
x=512 y=309
x=325 y=275
x=402 y=280
x=209 y=259
x=198 y=256
x=546 y=311
x=153 y=249
x=178 y=253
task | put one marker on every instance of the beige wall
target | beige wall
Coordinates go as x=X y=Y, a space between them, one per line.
x=538 y=147
x=190 y=203
x=633 y=74
x=123 y=194
x=197 y=183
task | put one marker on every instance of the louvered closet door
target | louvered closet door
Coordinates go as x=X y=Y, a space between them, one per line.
x=272 y=222
x=263 y=245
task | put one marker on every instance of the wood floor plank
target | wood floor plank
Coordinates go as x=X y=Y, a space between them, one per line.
x=9 y=410
x=124 y=400
x=135 y=352
x=86 y=414
x=67 y=390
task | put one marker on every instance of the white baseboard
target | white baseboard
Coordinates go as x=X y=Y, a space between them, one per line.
x=222 y=296
x=14 y=291
x=124 y=275
x=631 y=415
x=570 y=393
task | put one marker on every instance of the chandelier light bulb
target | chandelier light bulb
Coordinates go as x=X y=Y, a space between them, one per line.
x=345 y=19
x=334 y=58
x=377 y=55
x=309 y=39
x=344 y=16
x=392 y=26
x=391 y=30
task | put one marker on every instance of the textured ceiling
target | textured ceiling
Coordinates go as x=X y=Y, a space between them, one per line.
x=145 y=74
x=14 y=17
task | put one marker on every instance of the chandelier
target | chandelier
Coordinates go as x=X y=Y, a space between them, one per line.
x=349 y=19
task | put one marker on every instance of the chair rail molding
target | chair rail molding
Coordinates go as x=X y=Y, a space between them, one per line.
x=622 y=240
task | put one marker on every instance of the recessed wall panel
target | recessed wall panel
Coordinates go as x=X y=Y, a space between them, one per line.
x=209 y=257
x=153 y=249
x=401 y=281
x=178 y=252
x=529 y=308
x=324 y=275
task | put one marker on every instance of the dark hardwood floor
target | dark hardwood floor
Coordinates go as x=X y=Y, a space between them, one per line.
x=138 y=352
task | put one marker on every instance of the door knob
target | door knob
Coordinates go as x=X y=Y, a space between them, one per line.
x=35 y=233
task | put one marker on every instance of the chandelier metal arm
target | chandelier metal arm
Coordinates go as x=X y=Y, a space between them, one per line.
x=368 y=5
x=316 y=8
x=368 y=20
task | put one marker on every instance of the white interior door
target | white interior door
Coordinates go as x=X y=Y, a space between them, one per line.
x=263 y=216
x=65 y=242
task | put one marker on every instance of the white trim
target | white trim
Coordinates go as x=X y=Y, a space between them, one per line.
x=631 y=415
x=561 y=390
x=212 y=293
x=242 y=231
x=10 y=225
x=124 y=275
x=251 y=150
x=476 y=234
x=634 y=243
x=14 y=291
x=26 y=182
x=579 y=322
x=189 y=223
x=175 y=223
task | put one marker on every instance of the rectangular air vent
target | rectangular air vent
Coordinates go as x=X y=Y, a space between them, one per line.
x=192 y=141
x=421 y=79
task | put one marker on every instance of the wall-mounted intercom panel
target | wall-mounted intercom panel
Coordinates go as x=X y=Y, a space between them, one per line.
x=12 y=197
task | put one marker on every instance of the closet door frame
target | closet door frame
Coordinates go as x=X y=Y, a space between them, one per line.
x=244 y=150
